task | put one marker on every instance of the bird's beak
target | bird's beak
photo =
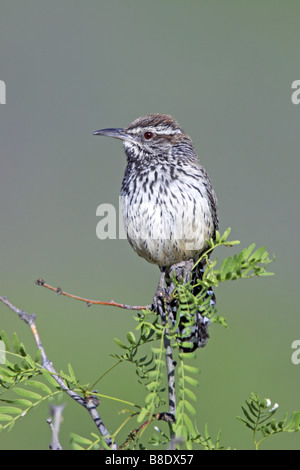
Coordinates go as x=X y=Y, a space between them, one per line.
x=116 y=133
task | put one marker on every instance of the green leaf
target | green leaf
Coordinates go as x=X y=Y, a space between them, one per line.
x=159 y=362
x=20 y=401
x=143 y=413
x=190 y=394
x=10 y=409
x=38 y=356
x=232 y=242
x=191 y=381
x=189 y=407
x=246 y=252
x=29 y=361
x=22 y=350
x=294 y=423
x=189 y=423
x=225 y=235
x=131 y=338
x=76 y=446
x=4 y=417
x=227 y=264
x=150 y=397
x=257 y=254
x=6 y=372
x=50 y=378
x=187 y=355
x=27 y=393
x=80 y=439
x=120 y=344
x=72 y=374
x=152 y=373
x=4 y=338
x=156 y=350
x=266 y=274
x=41 y=386
x=244 y=421
x=16 y=343
x=152 y=386
x=217 y=237
x=247 y=415
x=181 y=432
x=191 y=369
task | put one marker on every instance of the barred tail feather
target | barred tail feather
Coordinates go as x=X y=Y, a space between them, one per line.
x=193 y=323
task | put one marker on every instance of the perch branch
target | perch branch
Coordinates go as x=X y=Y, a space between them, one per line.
x=170 y=364
x=112 y=303
x=160 y=309
x=54 y=422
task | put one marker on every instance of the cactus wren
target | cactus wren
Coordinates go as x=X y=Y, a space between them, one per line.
x=168 y=202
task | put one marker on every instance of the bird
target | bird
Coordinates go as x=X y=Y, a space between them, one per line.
x=169 y=205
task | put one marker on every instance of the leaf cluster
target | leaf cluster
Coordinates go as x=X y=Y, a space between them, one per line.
x=22 y=383
x=244 y=265
x=249 y=263
x=258 y=416
x=184 y=426
x=148 y=330
x=150 y=366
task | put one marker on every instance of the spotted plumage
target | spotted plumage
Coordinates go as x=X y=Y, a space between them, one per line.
x=168 y=202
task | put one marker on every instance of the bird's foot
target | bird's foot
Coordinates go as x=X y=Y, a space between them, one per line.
x=159 y=299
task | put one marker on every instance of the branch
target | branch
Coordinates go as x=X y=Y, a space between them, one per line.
x=58 y=290
x=167 y=417
x=89 y=403
x=54 y=422
x=170 y=364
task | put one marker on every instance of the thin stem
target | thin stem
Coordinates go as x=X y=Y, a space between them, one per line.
x=54 y=422
x=89 y=302
x=104 y=373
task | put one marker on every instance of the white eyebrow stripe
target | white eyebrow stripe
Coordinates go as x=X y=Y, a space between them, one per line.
x=155 y=130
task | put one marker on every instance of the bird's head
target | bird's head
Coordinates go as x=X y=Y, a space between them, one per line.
x=152 y=135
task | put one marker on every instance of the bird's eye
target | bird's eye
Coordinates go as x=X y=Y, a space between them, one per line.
x=148 y=135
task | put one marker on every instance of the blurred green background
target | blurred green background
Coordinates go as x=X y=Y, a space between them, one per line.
x=224 y=69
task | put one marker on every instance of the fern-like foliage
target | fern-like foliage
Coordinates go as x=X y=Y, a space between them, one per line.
x=24 y=383
x=259 y=417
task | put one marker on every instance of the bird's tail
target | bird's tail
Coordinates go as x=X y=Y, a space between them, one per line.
x=192 y=307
